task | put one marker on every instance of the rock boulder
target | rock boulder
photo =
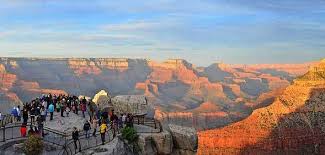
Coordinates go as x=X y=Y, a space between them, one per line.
x=134 y=104
x=146 y=145
x=184 y=138
x=102 y=99
x=162 y=143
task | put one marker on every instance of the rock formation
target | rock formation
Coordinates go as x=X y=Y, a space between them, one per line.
x=134 y=104
x=293 y=123
x=172 y=86
x=115 y=147
x=184 y=138
x=175 y=140
x=103 y=100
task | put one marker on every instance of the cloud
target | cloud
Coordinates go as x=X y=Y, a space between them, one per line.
x=98 y=37
x=131 y=26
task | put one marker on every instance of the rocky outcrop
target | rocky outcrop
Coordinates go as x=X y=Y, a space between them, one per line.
x=146 y=145
x=103 y=100
x=184 y=138
x=177 y=141
x=115 y=147
x=134 y=104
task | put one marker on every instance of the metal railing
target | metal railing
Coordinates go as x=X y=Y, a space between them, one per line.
x=10 y=131
x=150 y=122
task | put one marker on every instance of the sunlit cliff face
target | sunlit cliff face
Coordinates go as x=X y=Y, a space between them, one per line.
x=293 y=123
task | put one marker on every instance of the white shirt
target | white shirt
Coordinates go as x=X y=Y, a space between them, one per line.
x=123 y=118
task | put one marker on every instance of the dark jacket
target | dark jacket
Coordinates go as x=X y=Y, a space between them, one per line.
x=87 y=126
x=75 y=135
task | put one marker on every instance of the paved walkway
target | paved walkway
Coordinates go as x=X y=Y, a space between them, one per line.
x=57 y=132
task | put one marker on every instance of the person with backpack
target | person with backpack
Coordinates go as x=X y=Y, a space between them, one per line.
x=102 y=130
x=87 y=128
x=75 y=137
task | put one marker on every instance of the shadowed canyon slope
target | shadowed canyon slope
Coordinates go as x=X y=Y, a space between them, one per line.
x=177 y=90
x=293 y=124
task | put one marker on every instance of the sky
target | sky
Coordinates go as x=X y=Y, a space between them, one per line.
x=200 y=31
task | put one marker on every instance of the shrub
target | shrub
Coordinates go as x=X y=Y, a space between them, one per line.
x=33 y=145
x=130 y=134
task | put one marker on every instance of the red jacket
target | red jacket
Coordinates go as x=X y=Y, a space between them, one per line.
x=23 y=131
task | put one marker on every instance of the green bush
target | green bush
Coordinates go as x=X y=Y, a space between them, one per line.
x=33 y=145
x=130 y=134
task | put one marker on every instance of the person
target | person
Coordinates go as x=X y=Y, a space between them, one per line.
x=18 y=113
x=40 y=125
x=43 y=114
x=32 y=114
x=31 y=131
x=75 y=137
x=114 y=121
x=23 y=130
x=94 y=125
x=120 y=124
x=0 y=117
x=129 y=120
x=62 y=109
x=58 y=106
x=102 y=130
x=123 y=119
x=83 y=108
x=51 y=110
x=67 y=111
x=87 y=128
x=36 y=131
x=25 y=115
x=74 y=108
x=104 y=116
x=14 y=113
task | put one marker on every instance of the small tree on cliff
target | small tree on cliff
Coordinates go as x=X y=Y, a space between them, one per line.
x=130 y=134
x=33 y=145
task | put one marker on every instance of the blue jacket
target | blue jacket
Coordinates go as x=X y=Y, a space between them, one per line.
x=14 y=112
x=51 y=108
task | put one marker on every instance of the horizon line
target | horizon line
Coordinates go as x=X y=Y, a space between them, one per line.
x=147 y=59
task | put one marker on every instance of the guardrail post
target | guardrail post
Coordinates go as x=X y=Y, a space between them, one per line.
x=4 y=133
x=154 y=121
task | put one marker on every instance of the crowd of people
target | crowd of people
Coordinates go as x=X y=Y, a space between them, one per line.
x=38 y=109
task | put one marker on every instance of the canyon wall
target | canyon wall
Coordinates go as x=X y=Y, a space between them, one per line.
x=218 y=92
x=293 y=124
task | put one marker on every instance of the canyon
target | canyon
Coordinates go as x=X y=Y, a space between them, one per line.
x=293 y=124
x=177 y=91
